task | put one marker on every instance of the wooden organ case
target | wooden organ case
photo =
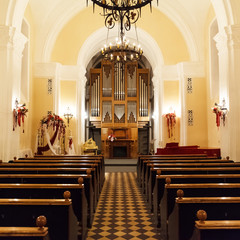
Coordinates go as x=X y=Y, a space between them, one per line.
x=119 y=105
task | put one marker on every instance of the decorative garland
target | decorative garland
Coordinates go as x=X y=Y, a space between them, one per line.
x=18 y=115
x=221 y=113
x=171 y=122
x=58 y=125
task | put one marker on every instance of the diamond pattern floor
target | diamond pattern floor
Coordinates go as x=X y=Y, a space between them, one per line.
x=122 y=212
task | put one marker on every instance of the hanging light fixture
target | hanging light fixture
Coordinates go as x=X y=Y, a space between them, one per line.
x=127 y=12
x=121 y=51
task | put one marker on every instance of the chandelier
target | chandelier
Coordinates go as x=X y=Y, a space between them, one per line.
x=126 y=12
x=122 y=51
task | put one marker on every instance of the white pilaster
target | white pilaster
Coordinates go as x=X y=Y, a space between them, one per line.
x=182 y=94
x=11 y=47
x=158 y=108
x=233 y=81
x=224 y=71
x=81 y=108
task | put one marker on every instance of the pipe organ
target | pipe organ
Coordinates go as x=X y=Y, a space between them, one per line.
x=119 y=99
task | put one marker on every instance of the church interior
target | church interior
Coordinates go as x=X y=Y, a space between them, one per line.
x=148 y=87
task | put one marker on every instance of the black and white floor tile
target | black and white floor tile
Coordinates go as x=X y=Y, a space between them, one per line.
x=122 y=212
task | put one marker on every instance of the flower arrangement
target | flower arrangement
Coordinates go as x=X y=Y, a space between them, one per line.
x=58 y=126
x=18 y=115
x=171 y=122
x=221 y=113
x=112 y=137
x=54 y=121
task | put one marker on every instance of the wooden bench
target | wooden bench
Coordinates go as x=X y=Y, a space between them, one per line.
x=146 y=163
x=185 y=170
x=98 y=159
x=152 y=168
x=142 y=158
x=182 y=220
x=55 y=171
x=192 y=168
x=215 y=229
x=192 y=190
x=58 y=165
x=161 y=180
x=51 y=191
x=57 y=178
x=61 y=161
x=61 y=220
x=95 y=170
x=40 y=232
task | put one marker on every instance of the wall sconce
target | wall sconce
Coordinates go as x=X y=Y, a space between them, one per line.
x=68 y=115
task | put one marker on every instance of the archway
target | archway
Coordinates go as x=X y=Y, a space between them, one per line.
x=152 y=59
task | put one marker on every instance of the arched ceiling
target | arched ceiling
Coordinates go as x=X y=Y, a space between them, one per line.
x=50 y=16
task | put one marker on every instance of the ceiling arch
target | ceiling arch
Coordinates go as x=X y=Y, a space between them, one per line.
x=46 y=38
x=91 y=47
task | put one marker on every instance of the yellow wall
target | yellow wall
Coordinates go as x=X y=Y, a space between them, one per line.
x=213 y=132
x=42 y=103
x=197 y=101
x=80 y=27
x=69 y=99
x=171 y=104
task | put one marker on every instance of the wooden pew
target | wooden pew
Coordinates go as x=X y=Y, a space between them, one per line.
x=69 y=157
x=142 y=158
x=182 y=219
x=151 y=178
x=66 y=162
x=40 y=232
x=146 y=163
x=57 y=178
x=57 y=165
x=56 y=170
x=161 y=180
x=192 y=190
x=215 y=229
x=96 y=173
x=150 y=167
x=61 y=220
x=185 y=170
x=54 y=191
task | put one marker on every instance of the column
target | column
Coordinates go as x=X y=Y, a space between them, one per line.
x=182 y=94
x=11 y=47
x=81 y=86
x=232 y=76
x=224 y=68
x=158 y=109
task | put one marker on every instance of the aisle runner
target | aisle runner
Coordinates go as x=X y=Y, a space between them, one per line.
x=122 y=212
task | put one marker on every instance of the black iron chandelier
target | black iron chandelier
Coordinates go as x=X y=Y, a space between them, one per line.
x=127 y=12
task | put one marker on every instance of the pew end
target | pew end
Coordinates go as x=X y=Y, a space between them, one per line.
x=39 y=232
x=215 y=229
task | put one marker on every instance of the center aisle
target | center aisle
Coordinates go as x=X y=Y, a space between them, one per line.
x=122 y=212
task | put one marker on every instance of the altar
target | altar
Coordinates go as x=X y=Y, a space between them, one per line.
x=120 y=148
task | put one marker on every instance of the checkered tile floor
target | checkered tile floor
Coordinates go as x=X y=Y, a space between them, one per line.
x=122 y=212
